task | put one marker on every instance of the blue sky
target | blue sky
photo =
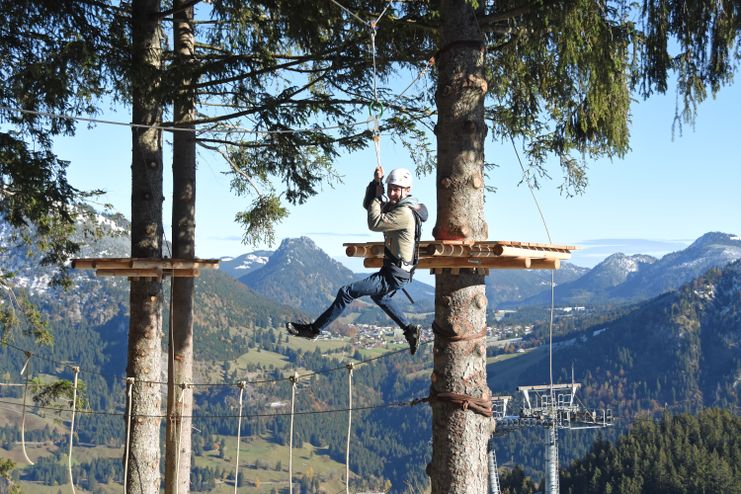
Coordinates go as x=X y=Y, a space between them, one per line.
x=666 y=192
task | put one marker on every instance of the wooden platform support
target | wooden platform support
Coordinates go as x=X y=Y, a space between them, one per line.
x=461 y=254
x=133 y=267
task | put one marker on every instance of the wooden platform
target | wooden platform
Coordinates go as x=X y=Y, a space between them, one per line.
x=462 y=254
x=133 y=267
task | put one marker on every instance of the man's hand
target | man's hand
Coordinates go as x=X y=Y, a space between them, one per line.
x=378 y=174
x=378 y=177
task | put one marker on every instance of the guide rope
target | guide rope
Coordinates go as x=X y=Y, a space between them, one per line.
x=349 y=428
x=239 y=436
x=294 y=380
x=25 y=372
x=72 y=429
x=127 y=449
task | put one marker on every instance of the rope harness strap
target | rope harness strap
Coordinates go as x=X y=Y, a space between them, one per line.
x=453 y=338
x=477 y=405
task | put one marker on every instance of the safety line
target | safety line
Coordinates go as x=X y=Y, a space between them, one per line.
x=72 y=431
x=218 y=384
x=179 y=425
x=127 y=448
x=66 y=364
x=294 y=380
x=239 y=436
x=251 y=416
x=349 y=428
x=25 y=372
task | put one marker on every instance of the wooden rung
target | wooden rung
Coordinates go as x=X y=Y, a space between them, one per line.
x=536 y=245
x=508 y=251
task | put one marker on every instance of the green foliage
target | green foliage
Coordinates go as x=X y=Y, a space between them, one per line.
x=59 y=394
x=259 y=220
x=54 y=54
x=677 y=454
x=6 y=466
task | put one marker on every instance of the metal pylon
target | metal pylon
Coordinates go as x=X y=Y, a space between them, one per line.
x=493 y=473
x=551 y=460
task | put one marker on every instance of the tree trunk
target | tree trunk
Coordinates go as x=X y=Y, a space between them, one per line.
x=459 y=436
x=145 y=328
x=180 y=368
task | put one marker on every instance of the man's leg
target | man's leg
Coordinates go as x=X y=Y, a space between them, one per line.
x=372 y=285
x=386 y=302
x=411 y=331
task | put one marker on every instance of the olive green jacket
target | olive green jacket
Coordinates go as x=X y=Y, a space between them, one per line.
x=395 y=221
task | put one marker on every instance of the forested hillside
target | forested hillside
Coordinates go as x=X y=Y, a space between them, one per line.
x=679 y=454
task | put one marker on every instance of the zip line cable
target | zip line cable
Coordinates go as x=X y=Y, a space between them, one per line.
x=393 y=404
x=526 y=177
x=220 y=384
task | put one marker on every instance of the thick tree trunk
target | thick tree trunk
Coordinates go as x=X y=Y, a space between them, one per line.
x=145 y=329
x=180 y=369
x=459 y=436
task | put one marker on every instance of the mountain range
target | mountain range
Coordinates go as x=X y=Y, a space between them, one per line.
x=301 y=275
x=625 y=279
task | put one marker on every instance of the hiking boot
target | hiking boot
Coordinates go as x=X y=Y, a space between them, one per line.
x=302 y=330
x=411 y=334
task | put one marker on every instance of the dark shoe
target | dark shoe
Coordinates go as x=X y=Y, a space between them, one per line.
x=411 y=333
x=302 y=330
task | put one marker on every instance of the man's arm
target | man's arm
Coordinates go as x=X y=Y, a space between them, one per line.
x=398 y=218
x=375 y=188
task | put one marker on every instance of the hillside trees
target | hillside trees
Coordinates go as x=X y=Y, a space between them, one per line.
x=675 y=454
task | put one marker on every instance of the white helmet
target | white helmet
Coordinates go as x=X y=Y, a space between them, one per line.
x=400 y=177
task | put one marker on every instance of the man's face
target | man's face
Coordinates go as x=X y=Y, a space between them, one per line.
x=397 y=193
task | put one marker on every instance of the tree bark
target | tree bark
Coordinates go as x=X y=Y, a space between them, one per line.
x=459 y=436
x=145 y=299
x=180 y=368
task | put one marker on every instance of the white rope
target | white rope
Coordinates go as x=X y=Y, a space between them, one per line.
x=349 y=427
x=239 y=435
x=72 y=429
x=376 y=107
x=294 y=380
x=130 y=386
x=179 y=417
x=553 y=277
x=25 y=372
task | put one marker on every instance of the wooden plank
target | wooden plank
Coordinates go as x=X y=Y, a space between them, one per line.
x=149 y=272
x=144 y=263
x=131 y=273
x=483 y=263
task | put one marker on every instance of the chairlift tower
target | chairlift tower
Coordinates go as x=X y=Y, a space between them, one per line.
x=551 y=407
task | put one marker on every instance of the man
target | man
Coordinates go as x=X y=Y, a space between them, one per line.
x=399 y=219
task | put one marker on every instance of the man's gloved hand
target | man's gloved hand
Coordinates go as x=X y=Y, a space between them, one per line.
x=378 y=177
